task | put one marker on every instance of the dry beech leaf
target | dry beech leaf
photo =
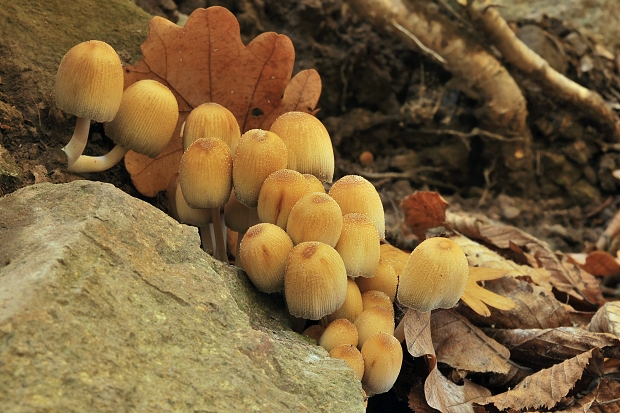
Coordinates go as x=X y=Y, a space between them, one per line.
x=206 y=61
x=446 y=396
x=547 y=387
x=463 y=346
x=424 y=210
x=598 y=263
x=544 y=348
x=607 y=319
x=564 y=276
x=418 y=333
x=534 y=307
x=606 y=397
x=477 y=297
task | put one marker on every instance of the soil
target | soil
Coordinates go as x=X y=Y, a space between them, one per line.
x=379 y=97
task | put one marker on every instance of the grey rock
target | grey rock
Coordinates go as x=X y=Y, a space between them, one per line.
x=108 y=305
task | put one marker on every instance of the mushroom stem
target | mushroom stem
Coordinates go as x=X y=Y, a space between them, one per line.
x=76 y=145
x=238 y=262
x=206 y=239
x=101 y=163
x=220 y=243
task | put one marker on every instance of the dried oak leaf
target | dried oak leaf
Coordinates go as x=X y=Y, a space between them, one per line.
x=542 y=348
x=206 y=61
x=599 y=263
x=564 y=276
x=546 y=387
x=418 y=334
x=445 y=396
x=424 y=210
x=461 y=345
x=607 y=319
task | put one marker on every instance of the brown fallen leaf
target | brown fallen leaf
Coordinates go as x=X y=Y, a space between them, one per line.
x=535 y=307
x=564 y=276
x=543 y=348
x=477 y=297
x=424 y=210
x=606 y=397
x=463 y=346
x=418 y=334
x=445 y=396
x=206 y=61
x=607 y=319
x=598 y=263
x=546 y=387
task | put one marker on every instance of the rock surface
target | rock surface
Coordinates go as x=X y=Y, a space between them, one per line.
x=107 y=304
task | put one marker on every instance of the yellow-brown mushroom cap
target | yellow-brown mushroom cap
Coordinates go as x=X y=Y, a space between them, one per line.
x=258 y=154
x=314 y=183
x=385 y=279
x=434 y=277
x=278 y=194
x=375 y=298
x=340 y=331
x=263 y=252
x=358 y=245
x=315 y=281
x=178 y=208
x=205 y=172
x=315 y=331
x=211 y=120
x=352 y=356
x=308 y=142
x=383 y=358
x=146 y=118
x=356 y=194
x=315 y=217
x=372 y=321
x=352 y=306
x=89 y=81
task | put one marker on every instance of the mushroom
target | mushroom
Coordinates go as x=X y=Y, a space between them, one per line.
x=145 y=123
x=314 y=331
x=358 y=245
x=372 y=321
x=352 y=356
x=315 y=217
x=434 y=277
x=236 y=218
x=89 y=85
x=315 y=280
x=308 y=142
x=374 y=298
x=352 y=306
x=383 y=358
x=211 y=120
x=340 y=331
x=263 y=252
x=356 y=194
x=314 y=183
x=385 y=279
x=205 y=172
x=278 y=194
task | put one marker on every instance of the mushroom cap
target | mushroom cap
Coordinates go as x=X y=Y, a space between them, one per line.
x=314 y=331
x=352 y=306
x=178 y=208
x=358 y=245
x=263 y=252
x=205 y=172
x=315 y=217
x=258 y=154
x=395 y=256
x=89 y=81
x=211 y=120
x=146 y=118
x=383 y=358
x=236 y=215
x=351 y=355
x=278 y=194
x=315 y=281
x=314 y=183
x=308 y=142
x=385 y=279
x=374 y=298
x=356 y=194
x=340 y=331
x=372 y=321
x=434 y=277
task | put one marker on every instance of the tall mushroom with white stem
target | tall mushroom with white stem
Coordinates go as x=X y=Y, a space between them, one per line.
x=145 y=123
x=89 y=85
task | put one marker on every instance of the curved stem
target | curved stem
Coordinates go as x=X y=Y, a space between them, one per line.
x=98 y=163
x=205 y=238
x=76 y=145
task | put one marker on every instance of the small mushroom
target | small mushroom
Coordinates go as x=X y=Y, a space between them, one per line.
x=434 y=277
x=308 y=142
x=314 y=183
x=356 y=194
x=145 y=123
x=374 y=298
x=352 y=306
x=385 y=279
x=315 y=217
x=383 y=358
x=278 y=194
x=315 y=331
x=358 y=245
x=315 y=280
x=263 y=252
x=340 y=331
x=372 y=321
x=89 y=85
x=211 y=120
x=352 y=356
